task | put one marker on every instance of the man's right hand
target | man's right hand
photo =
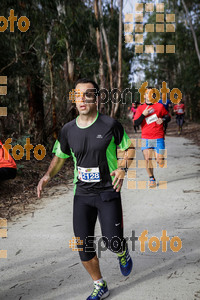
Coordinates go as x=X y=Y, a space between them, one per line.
x=43 y=181
x=54 y=168
x=146 y=111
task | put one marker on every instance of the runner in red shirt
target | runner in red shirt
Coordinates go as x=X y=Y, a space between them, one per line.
x=179 y=109
x=151 y=117
x=8 y=168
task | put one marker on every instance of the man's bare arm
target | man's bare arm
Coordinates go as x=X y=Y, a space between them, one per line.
x=55 y=166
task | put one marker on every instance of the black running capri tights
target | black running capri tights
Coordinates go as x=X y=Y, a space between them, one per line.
x=86 y=210
x=180 y=120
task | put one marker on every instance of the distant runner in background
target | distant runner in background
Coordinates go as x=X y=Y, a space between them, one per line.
x=167 y=106
x=133 y=110
x=151 y=117
x=179 y=110
x=8 y=168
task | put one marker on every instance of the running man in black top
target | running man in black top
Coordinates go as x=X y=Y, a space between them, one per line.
x=92 y=139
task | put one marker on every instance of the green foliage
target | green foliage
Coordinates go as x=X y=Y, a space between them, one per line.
x=25 y=59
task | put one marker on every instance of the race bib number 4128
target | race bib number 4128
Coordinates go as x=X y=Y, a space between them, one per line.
x=89 y=174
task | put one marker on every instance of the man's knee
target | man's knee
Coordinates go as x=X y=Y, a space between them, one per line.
x=86 y=256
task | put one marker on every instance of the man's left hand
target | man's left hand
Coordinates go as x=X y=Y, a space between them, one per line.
x=159 y=121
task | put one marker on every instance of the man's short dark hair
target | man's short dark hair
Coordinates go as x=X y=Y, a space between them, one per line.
x=87 y=80
x=150 y=88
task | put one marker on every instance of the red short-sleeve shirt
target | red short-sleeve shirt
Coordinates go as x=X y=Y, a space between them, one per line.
x=179 y=109
x=150 y=129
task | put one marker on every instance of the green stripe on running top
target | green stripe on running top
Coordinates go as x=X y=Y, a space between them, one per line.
x=111 y=156
x=57 y=150
x=94 y=150
x=75 y=171
x=125 y=142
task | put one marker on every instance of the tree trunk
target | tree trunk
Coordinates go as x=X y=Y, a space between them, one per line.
x=115 y=107
x=3 y=129
x=53 y=101
x=65 y=72
x=99 y=47
x=70 y=63
x=36 y=108
x=192 y=29
x=108 y=58
x=21 y=113
x=111 y=8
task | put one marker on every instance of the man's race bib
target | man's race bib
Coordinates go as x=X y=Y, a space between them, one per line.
x=180 y=111
x=89 y=174
x=151 y=119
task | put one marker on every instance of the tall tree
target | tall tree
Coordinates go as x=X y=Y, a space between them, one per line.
x=192 y=30
x=115 y=105
x=108 y=57
x=99 y=46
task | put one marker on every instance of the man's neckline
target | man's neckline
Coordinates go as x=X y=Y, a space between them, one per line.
x=83 y=127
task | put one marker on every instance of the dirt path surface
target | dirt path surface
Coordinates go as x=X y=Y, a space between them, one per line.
x=41 y=266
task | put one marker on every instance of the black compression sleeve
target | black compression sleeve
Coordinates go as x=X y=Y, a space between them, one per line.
x=139 y=120
x=166 y=118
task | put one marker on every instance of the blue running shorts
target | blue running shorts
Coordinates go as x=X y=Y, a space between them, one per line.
x=156 y=144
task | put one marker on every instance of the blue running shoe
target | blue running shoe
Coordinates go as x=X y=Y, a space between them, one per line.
x=100 y=291
x=152 y=183
x=125 y=262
